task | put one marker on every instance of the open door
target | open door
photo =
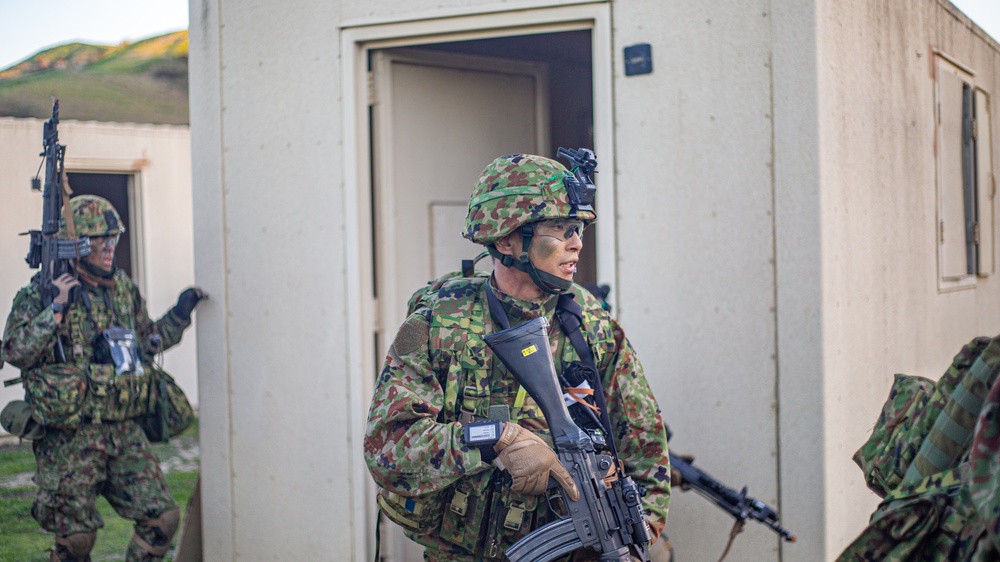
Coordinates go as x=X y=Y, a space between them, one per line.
x=437 y=120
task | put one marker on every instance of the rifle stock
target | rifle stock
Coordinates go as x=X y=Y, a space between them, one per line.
x=608 y=516
x=525 y=351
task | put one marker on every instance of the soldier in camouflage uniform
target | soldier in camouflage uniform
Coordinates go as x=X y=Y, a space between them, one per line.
x=439 y=375
x=92 y=443
x=933 y=458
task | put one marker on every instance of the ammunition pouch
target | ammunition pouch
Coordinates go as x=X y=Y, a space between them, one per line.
x=114 y=397
x=419 y=516
x=481 y=512
x=57 y=393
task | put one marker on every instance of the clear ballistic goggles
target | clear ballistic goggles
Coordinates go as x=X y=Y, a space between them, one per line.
x=563 y=229
x=105 y=241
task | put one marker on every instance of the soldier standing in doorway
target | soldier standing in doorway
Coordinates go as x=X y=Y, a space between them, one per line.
x=439 y=376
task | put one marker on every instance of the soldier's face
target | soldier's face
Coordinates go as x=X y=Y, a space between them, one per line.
x=555 y=248
x=102 y=251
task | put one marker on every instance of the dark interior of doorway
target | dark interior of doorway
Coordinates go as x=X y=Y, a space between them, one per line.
x=571 y=105
x=114 y=188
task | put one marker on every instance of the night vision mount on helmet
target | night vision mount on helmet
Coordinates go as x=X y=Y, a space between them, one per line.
x=518 y=190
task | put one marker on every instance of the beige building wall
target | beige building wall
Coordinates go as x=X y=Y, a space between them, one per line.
x=883 y=308
x=775 y=256
x=694 y=153
x=159 y=159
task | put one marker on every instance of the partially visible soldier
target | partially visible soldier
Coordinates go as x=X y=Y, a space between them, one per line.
x=933 y=458
x=89 y=399
x=439 y=376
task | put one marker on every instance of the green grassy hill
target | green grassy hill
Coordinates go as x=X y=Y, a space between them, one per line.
x=141 y=82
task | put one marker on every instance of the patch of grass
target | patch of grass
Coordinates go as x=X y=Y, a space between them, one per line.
x=15 y=459
x=143 y=82
x=22 y=540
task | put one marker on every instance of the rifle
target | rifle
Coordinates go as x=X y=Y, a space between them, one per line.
x=45 y=249
x=608 y=516
x=737 y=504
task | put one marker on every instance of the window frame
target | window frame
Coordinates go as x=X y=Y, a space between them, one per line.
x=965 y=217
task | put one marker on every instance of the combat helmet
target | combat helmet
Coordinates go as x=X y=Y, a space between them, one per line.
x=92 y=216
x=517 y=190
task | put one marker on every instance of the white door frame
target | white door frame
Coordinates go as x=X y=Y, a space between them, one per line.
x=357 y=39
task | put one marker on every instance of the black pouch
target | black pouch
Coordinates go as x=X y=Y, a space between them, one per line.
x=119 y=347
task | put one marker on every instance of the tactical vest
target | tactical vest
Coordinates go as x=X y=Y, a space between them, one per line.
x=64 y=395
x=479 y=506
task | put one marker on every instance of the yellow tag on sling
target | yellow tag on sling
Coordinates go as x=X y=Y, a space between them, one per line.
x=528 y=350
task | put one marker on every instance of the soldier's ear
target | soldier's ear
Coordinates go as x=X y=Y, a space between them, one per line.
x=505 y=246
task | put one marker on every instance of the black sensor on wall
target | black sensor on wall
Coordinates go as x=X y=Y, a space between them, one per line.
x=638 y=59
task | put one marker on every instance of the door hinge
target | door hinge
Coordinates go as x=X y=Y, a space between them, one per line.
x=975 y=232
x=941 y=232
x=371 y=87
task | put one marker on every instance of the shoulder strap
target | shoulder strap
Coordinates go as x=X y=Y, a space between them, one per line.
x=497 y=309
x=570 y=316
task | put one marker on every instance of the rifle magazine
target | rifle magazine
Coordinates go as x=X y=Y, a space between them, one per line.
x=546 y=543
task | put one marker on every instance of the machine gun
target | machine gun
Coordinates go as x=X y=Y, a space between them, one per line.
x=736 y=504
x=608 y=516
x=45 y=249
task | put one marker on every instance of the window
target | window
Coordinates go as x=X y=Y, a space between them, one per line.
x=965 y=185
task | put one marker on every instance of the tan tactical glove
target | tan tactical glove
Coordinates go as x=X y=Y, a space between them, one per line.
x=530 y=462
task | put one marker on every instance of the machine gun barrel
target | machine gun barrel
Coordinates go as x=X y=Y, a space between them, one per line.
x=736 y=504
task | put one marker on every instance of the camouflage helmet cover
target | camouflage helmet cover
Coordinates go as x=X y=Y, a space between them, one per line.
x=515 y=190
x=92 y=216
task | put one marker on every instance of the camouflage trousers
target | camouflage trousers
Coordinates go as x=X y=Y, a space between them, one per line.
x=111 y=459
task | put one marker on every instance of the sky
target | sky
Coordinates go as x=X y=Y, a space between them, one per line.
x=29 y=26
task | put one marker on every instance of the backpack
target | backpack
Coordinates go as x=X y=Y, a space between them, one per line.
x=917 y=460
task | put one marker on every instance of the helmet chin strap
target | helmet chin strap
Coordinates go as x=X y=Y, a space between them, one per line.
x=548 y=283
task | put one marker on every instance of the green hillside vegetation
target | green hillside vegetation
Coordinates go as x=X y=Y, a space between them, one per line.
x=141 y=82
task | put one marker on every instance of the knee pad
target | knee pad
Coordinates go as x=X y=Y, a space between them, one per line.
x=158 y=531
x=75 y=547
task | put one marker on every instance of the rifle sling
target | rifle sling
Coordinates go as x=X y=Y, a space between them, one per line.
x=570 y=316
x=68 y=212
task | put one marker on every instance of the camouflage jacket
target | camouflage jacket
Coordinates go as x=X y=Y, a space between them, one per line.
x=439 y=365
x=29 y=343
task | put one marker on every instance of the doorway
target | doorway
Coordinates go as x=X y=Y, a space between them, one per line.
x=116 y=189
x=440 y=113
x=434 y=102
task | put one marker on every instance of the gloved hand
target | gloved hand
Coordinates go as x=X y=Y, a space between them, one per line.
x=187 y=300
x=676 y=481
x=64 y=285
x=530 y=462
